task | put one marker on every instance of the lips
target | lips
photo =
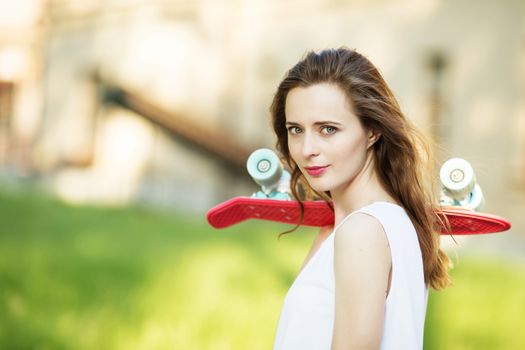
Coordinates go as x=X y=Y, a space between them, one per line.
x=316 y=170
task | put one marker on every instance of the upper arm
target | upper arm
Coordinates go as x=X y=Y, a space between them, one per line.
x=362 y=263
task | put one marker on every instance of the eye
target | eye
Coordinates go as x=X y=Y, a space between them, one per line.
x=328 y=130
x=294 y=130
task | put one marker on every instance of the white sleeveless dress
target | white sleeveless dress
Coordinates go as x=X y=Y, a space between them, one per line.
x=307 y=316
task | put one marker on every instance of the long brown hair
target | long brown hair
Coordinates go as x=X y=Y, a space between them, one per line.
x=403 y=157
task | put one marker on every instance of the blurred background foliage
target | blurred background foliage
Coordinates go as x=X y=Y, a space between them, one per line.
x=85 y=277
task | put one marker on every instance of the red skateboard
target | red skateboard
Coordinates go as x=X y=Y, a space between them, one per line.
x=317 y=213
x=461 y=196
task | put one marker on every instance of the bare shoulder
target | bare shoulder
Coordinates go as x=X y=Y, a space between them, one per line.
x=361 y=230
x=362 y=258
x=361 y=249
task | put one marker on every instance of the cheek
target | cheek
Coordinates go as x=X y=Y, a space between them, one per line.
x=352 y=149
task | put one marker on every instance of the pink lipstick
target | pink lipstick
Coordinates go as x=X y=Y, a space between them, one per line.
x=316 y=170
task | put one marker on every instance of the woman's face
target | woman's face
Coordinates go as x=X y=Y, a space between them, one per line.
x=325 y=138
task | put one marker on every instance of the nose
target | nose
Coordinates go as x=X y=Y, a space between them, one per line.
x=310 y=146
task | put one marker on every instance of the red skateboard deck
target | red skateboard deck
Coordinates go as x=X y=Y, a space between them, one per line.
x=318 y=214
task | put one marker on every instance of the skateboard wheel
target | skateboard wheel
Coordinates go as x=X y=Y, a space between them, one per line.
x=457 y=178
x=264 y=167
x=475 y=199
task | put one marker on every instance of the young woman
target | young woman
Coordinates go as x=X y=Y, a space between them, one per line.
x=364 y=284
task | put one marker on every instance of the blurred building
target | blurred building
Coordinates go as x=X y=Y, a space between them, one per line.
x=161 y=101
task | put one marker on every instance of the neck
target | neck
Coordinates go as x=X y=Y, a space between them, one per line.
x=364 y=189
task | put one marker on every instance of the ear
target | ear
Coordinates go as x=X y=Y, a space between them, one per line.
x=372 y=138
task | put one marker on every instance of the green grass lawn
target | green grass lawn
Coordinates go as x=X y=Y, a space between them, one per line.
x=102 y=278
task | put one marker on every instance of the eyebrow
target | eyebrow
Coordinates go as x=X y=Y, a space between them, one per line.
x=323 y=122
